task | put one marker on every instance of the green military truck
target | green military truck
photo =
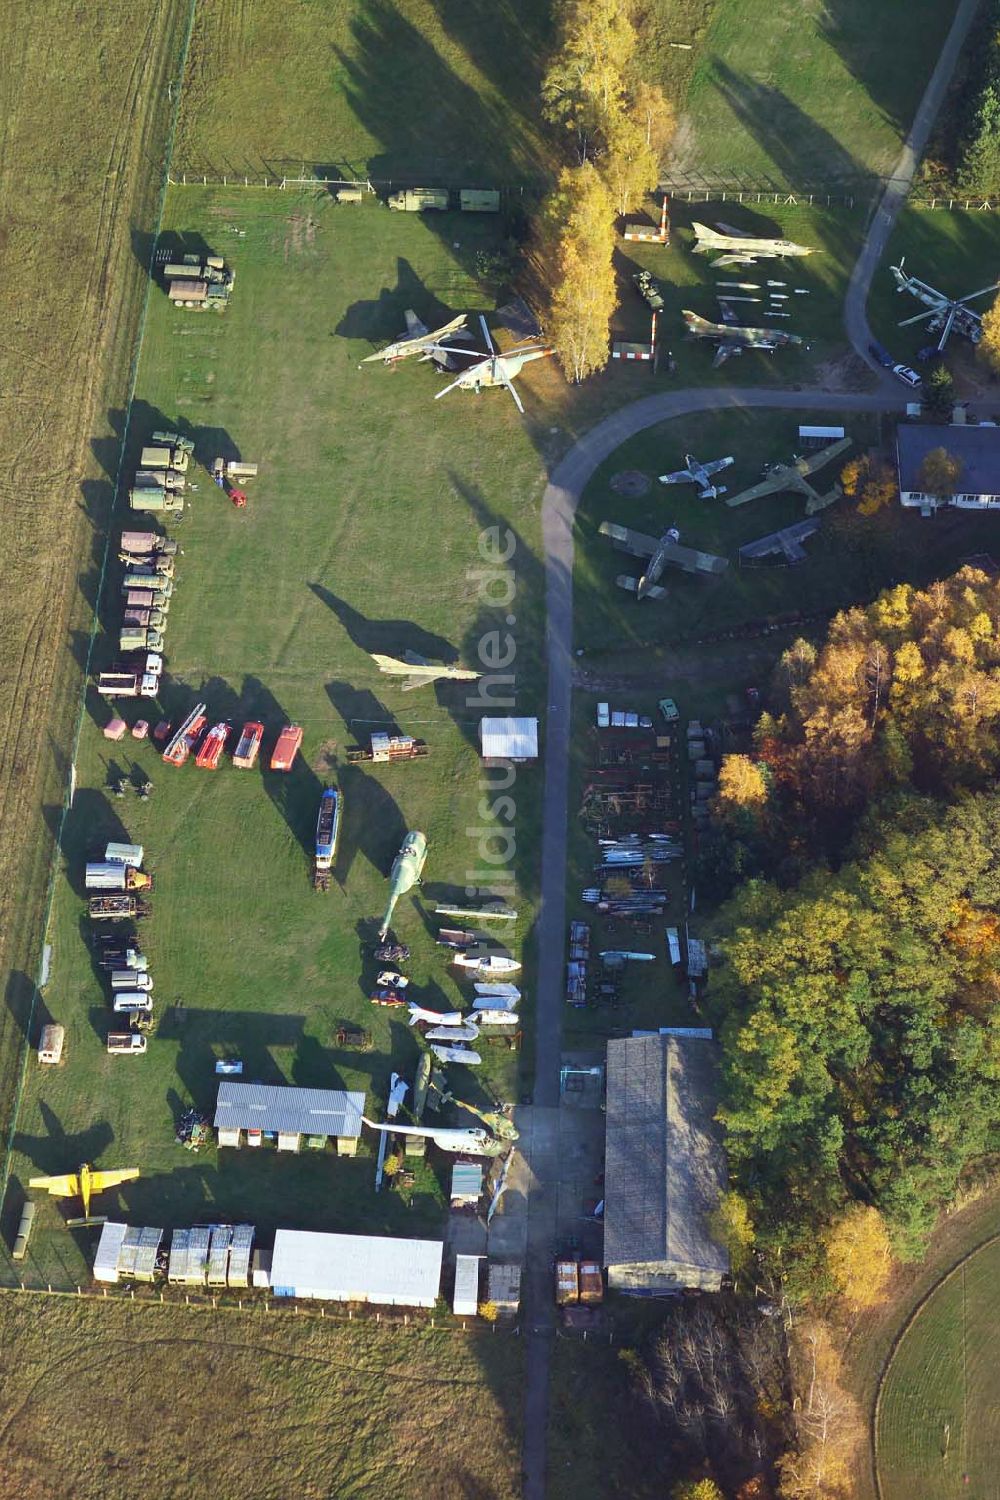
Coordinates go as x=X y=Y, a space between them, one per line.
x=418 y=200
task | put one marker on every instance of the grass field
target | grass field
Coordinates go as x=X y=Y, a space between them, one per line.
x=108 y=1401
x=955 y=251
x=938 y=1427
x=362 y=533
x=804 y=95
x=73 y=292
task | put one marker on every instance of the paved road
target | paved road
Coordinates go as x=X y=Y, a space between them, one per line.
x=898 y=186
x=560 y=501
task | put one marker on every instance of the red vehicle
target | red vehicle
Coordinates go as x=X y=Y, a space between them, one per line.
x=212 y=746
x=287 y=748
x=248 y=745
x=183 y=742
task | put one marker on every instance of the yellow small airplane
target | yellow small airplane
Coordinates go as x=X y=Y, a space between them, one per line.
x=82 y=1183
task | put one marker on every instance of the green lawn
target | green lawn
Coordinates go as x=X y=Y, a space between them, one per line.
x=362 y=531
x=805 y=95
x=954 y=251
x=938 y=1420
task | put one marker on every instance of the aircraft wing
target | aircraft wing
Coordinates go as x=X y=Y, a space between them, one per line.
x=414 y=327
x=456 y=329
x=824 y=456
x=726 y=350
x=627 y=540
x=718 y=464
x=690 y=560
x=680 y=476
x=99 y=1181
x=59 y=1187
x=773 y=485
x=734 y=258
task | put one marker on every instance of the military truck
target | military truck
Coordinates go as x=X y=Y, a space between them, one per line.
x=131 y=682
x=175 y=456
x=156 y=497
x=145 y=619
x=418 y=200
x=135 y=638
x=649 y=290
x=199 y=283
x=479 y=201
x=146 y=576
x=115 y=908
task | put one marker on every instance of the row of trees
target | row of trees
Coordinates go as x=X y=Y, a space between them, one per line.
x=615 y=128
x=978 y=165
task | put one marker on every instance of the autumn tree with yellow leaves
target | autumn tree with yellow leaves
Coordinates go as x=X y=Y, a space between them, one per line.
x=871 y=482
x=829 y=1428
x=940 y=472
x=988 y=348
x=859 y=1255
x=576 y=246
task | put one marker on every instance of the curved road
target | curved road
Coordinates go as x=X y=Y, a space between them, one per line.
x=559 y=504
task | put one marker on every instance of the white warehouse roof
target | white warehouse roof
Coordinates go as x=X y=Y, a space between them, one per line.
x=290 y=1111
x=356 y=1268
x=509 y=739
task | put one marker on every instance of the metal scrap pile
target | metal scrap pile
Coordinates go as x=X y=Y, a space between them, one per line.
x=193 y=1130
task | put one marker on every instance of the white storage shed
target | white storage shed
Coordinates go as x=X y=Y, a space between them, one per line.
x=465 y=1303
x=356 y=1268
x=108 y=1247
x=509 y=739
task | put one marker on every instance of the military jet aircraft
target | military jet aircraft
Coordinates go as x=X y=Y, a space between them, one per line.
x=742 y=249
x=732 y=339
x=700 y=474
x=418 y=339
x=494 y=369
x=947 y=315
x=663 y=552
x=418 y=671
x=81 y=1184
x=779 y=478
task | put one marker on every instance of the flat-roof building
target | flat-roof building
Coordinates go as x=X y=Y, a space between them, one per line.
x=509 y=739
x=356 y=1268
x=288 y=1114
x=664 y=1167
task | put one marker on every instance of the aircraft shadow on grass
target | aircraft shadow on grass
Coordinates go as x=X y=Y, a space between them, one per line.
x=58 y=1151
x=381 y=319
x=372 y=823
x=388 y=637
x=205 y=1035
x=804 y=153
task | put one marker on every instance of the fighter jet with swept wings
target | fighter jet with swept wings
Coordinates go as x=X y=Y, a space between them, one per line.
x=418 y=671
x=81 y=1184
x=732 y=338
x=662 y=552
x=779 y=478
x=741 y=249
x=493 y=368
x=419 y=339
x=701 y=475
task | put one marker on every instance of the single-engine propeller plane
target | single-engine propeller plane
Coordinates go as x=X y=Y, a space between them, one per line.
x=82 y=1184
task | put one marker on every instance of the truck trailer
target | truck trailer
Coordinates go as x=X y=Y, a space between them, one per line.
x=115 y=877
x=388 y=747
x=418 y=200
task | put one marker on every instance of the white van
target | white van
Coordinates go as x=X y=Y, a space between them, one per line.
x=132 y=1002
x=130 y=979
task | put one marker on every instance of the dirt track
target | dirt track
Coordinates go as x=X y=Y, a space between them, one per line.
x=81 y=163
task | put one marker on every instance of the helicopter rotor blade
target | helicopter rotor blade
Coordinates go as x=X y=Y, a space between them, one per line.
x=486 y=335
x=454 y=383
x=981 y=293
x=510 y=386
x=920 y=317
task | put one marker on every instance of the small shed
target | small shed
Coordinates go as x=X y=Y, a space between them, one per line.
x=466 y=1184
x=465 y=1303
x=509 y=739
x=218 y=1254
x=504 y=1285
x=239 y=1255
x=289 y=1114
x=383 y=1271
x=108 y=1246
x=50 y=1045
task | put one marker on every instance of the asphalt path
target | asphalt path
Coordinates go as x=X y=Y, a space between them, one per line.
x=559 y=504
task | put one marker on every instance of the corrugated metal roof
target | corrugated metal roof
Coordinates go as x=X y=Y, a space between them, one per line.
x=145 y=1258
x=509 y=739
x=106 y=1259
x=177 y=1267
x=218 y=1255
x=291 y=1111
x=664 y=1169
x=128 y=1250
x=465 y=1302
x=466 y=1180
x=356 y=1268
x=239 y=1255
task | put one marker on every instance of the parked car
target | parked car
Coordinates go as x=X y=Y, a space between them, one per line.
x=881 y=355
x=907 y=376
